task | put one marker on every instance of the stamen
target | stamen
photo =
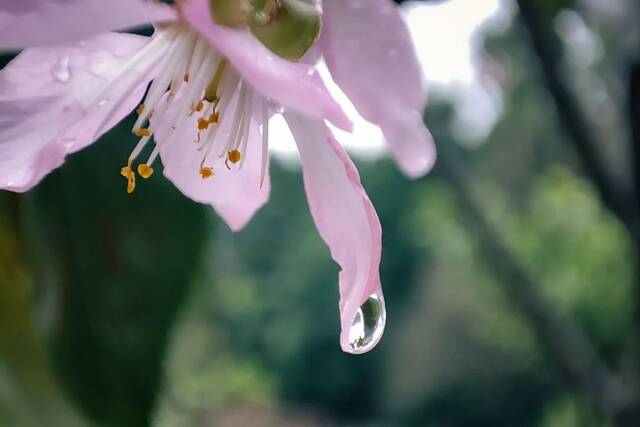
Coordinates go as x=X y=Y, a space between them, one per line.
x=143 y=62
x=206 y=172
x=203 y=123
x=173 y=60
x=131 y=178
x=235 y=125
x=243 y=138
x=126 y=171
x=142 y=132
x=200 y=70
x=186 y=85
x=145 y=170
x=138 y=149
x=228 y=89
x=234 y=156
x=198 y=108
x=153 y=155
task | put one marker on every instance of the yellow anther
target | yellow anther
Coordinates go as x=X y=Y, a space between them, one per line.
x=126 y=172
x=213 y=118
x=199 y=106
x=206 y=172
x=203 y=124
x=142 y=132
x=131 y=178
x=145 y=170
x=140 y=109
x=131 y=185
x=234 y=156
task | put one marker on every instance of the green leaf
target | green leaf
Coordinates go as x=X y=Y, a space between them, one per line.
x=116 y=268
x=30 y=395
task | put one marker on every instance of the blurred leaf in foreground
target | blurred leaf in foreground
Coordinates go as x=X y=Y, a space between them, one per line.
x=29 y=394
x=112 y=270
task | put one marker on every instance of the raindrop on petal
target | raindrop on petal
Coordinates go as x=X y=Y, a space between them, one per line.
x=69 y=142
x=368 y=325
x=60 y=70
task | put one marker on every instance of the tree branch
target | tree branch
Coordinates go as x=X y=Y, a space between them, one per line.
x=634 y=120
x=562 y=337
x=617 y=196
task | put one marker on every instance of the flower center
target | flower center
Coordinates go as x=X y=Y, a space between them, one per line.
x=288 y=28
x=192 y=94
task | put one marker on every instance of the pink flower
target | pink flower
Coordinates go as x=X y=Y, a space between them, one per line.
x=213 y=90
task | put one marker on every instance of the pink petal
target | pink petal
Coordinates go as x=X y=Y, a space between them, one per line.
x=235 y=194
x=369 y=52
x=25 y=23
x=343 y=214
x=52 y=101
x=293 y=84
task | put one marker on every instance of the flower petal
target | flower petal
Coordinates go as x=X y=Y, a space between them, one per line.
x=235 y=193
x=369 y=52
x=343 y=214
x=293 y=84
x=52 y=101
x=25 y=23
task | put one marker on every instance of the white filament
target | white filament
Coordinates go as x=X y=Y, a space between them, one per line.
x=186 y=63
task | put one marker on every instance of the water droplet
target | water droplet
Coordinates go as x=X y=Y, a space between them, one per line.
x=102 y=102
x=60 y=70
x=368 y=325
x=69 y=141
x=119 y=51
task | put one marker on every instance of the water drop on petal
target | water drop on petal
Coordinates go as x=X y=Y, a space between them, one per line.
x=368 y=325
x=60 y=70
x=68 y=141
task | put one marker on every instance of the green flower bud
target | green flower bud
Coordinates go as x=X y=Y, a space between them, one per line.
x=288 y=28
x=231 y=13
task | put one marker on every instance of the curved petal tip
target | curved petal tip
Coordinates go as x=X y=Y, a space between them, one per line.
x=410 y=142
x=348 y=223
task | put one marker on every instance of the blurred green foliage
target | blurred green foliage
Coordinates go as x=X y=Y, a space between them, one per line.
x=110 y=272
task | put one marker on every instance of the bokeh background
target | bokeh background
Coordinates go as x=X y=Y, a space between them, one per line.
x=511 y=271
